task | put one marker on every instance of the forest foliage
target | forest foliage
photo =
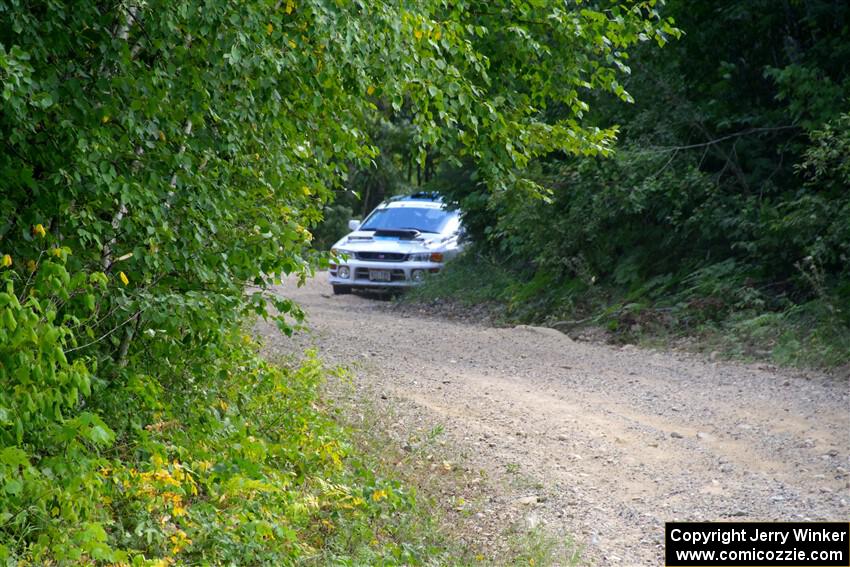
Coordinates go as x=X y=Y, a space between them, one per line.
x=163 y=164
x=724 y=204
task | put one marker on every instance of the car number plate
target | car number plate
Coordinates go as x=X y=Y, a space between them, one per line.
x=380 y=275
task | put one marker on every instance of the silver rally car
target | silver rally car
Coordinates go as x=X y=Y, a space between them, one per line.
x=400 y=242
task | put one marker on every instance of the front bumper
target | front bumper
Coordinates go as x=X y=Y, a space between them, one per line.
x=400 y=273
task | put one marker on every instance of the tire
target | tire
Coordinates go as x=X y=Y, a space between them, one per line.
x=341 y=290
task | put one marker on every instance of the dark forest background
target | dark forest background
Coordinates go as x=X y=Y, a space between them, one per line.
x=726 y=201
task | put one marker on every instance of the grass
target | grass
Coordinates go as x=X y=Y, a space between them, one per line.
x=472 y=281
x=713 y=310
x=805 y=336
x=536 y=547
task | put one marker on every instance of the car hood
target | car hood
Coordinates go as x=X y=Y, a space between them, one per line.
x=367 y=241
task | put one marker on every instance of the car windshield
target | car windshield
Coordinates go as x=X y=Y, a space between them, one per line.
x=419 y=218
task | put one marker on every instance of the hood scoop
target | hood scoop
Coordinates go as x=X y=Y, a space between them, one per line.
x=400 y=233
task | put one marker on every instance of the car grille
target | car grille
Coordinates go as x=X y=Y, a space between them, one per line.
x=382 y=256
x=363 y=274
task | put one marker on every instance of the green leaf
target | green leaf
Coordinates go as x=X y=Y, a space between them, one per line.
x=13 y=487
x=101 y=435
x=14 y=457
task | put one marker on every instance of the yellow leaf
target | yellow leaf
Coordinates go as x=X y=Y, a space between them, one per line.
x=290 y=5
x=437 y=34
x=417 y=34
x=6 y=262
x=370 y=90
x=38 y=230
x=55 y=252
x=124 y=278
x=269 y=28
x=106 y=118
x=162 y=135
x=292 y=44
x=379 y=495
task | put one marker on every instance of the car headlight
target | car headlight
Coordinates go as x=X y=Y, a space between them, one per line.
x=427 y=257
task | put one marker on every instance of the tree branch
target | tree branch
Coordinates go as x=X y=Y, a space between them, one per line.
x=106 y=334
x=716 y=141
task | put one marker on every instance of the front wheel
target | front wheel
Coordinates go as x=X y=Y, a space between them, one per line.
x=341 y=290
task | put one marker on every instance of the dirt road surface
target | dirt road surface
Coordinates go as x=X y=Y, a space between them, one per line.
x=614 y=441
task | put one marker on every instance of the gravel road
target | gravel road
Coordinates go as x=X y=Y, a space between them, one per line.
x=614 y=441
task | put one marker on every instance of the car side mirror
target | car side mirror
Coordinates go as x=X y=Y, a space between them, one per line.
x=353 y=224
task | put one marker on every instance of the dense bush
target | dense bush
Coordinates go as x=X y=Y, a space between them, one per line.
x=163 y=163
x=725 y=197
x=209 y=455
